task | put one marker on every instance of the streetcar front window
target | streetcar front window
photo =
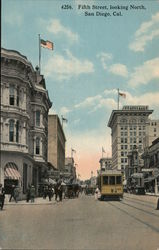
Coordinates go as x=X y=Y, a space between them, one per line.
x=111 y=180
x=118 y=180
x=105 y=180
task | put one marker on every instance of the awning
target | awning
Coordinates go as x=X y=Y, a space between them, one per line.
x=137 y=175
x=52 y=181
x=149 y=179
x=11 y=171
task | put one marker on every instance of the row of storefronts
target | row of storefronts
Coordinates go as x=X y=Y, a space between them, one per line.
x=144 y=176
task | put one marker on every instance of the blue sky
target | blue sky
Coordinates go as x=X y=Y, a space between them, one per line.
x=92 y=57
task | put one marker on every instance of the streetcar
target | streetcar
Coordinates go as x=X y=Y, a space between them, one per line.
x=110 y=184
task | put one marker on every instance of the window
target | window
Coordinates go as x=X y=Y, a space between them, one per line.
x=125 y=160
x=37 y=118
x=105 y=180
x=11 y=95
x=122 y=140
x=121 y=128
x=17 y=131
x=122 y=160
x=111 y=180
x=126 y=146
x=154 y=129
x=11 y=130
x=126 y=133
x=122 y=153
x=140 y=140
x=125 y=140
x=122 y=147
x=37 y=146
x=139 y=127
x=118 y=179
x=121 y=133
x=17 y=96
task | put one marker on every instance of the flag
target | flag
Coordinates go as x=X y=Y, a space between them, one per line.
x=46 y=44
x=103 y=150
x=122 y=94
x=64 y=119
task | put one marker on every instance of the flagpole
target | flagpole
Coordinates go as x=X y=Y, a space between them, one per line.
x=39 y=54
x=102 y=152
x=118 y=99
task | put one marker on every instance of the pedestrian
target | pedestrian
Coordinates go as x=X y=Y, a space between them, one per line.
x=12 y=193
x=28 y=194
x=50 y=192
x=32 y=193
x=97 y=191
x=16 y=193
x=2 y=196
x=60 y=192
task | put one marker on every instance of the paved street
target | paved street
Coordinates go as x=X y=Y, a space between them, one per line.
x=83 y=223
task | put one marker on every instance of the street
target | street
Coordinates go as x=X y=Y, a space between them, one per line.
x=82 y=223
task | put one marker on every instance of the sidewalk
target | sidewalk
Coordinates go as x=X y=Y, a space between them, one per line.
x=37 y=201
x=152 y=194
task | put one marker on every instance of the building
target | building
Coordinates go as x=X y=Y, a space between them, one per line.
x=56 y=142
x=105 y=163
x=24 y=122
x=152 y=132
x=69 y=172
x=128 y=128
x=151 y=166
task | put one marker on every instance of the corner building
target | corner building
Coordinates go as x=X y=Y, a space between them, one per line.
x=24 y=122
x=128 y=129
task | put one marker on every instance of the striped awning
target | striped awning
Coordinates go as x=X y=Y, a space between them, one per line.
x=11 y=171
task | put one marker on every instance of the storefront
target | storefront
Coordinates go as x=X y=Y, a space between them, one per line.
x=11 y=177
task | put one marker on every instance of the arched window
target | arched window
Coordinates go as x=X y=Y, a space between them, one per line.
x=37 y=149
x=17 y=131
x=11 y=130
x=11 y=95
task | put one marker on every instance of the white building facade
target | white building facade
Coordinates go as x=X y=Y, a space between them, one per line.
x=128 y=129
x=24 y=122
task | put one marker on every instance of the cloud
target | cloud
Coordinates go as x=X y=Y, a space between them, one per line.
x=104 y=57
x=88 y=102
x=64 y=68
x=119 y=69
x=52 y=111
x=145 y=73
x=147 y=32
x=64 y=110
x=151 y=99
x=54 y=26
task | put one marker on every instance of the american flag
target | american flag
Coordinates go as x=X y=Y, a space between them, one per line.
x=122 y=94
x=46 y=44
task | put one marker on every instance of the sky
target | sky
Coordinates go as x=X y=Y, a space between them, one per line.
x=93 y=56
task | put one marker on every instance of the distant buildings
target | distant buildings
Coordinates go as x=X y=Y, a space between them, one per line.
x=56 y=142
x=105 y=163
x=69 y=172
x=128 y=128
x=152 y=132
x=151 y=166
x=24 y=122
